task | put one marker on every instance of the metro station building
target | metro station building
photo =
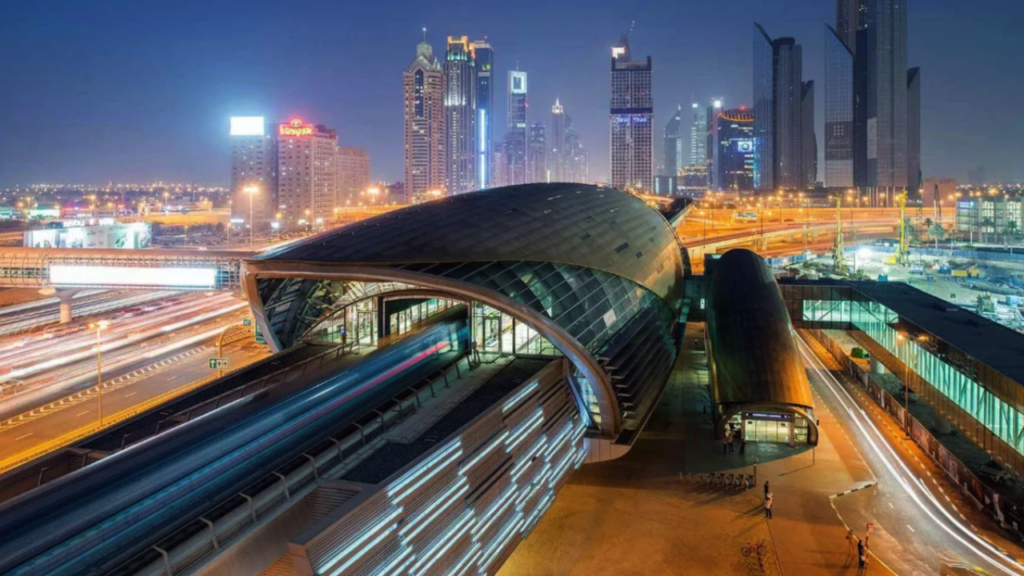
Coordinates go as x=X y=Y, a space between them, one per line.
x=579 y=271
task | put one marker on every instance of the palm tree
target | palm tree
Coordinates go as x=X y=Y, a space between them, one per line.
x=937 y=232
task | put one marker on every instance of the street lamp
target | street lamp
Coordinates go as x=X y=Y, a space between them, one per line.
x=99 y=327
x=251 y=191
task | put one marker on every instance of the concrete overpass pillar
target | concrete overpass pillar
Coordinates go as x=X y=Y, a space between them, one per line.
x=66 y=312
x=876 y=366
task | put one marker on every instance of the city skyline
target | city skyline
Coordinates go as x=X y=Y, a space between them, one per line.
x=142 y=130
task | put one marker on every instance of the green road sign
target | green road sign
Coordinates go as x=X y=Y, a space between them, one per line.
x=247 y=322
x=217 y=363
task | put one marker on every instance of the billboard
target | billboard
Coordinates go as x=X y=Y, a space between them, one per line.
x=76 y=275
x=247 y=125
x=295 y=128
x=133 y=236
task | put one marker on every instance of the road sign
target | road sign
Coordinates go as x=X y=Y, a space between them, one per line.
x=247 y=322
x=217 y=363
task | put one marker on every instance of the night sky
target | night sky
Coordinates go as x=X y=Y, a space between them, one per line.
x=99 y=90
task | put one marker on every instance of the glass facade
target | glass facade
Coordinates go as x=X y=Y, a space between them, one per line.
x=838 y=112
x=764 y=110
x=591 y=270
x=981 y=402
x=632 y=116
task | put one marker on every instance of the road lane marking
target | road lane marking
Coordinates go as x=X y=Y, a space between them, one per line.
x=911 y=528
x=23 y=437
x=82 y=412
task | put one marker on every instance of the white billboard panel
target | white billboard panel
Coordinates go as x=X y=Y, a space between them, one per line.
x=247 y=125
x=83 y=275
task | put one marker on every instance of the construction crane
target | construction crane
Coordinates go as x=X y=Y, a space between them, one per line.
x=901 y=256
x=838 y=255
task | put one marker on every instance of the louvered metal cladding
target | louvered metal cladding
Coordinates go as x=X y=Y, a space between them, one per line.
x=470 y=501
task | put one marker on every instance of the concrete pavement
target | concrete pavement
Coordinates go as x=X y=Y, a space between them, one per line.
x=634 y=515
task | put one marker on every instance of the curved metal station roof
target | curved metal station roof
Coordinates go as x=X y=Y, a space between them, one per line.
x=595 y=271
x=752 y=340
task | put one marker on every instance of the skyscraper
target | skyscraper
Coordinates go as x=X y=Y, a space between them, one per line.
x=674 y=139
x=424 y=124
x=516 y=138
x=307 y=169
x=353 y=174
x=556 y=144
x=632 y=113
x=537 y=153
x=698 y=137
x=886 y=57
x=733 y=150
x=914 y=129
x=715 y=106
x=874 y=33
x=778 y=114
x=460 y=115
x=808 y=140
x=484 y=55
x=839 y=111
x=253 y=164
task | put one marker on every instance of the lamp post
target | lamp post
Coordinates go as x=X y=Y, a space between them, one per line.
x=99 y=326
x=251 y=191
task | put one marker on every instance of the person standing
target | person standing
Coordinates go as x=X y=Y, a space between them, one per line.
x=743 y=444
x=765 y=489
x=725 y=447
x=728 y=440
x=862 y=557
x=768 y=507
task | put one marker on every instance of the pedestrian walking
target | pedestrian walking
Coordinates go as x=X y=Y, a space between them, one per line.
x=765 y=489
x=725 y=447
x=768 y=507
x=743 y=444
x=862 y=554
x=728 y=440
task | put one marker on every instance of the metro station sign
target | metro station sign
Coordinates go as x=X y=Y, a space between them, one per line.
x=295 y=128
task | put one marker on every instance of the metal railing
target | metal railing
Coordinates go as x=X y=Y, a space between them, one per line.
x=271 y=494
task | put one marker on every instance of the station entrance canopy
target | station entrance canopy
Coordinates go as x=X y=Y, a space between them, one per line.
x=595 y=272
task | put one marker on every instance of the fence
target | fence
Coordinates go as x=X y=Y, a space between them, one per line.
x=1007 y=514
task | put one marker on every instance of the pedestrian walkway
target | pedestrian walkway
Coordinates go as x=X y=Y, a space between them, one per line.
x=634 y=515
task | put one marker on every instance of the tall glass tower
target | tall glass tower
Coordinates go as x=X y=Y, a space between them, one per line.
x=839 y=135
x=484 y=60
x=778 y=113
x=698 y=137
x=516 y=138
x=425 y=139
x=632 y=113
x=674 y=139
x=460 y=115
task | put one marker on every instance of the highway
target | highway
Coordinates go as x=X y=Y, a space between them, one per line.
x=150 y=351
x=101 y=516
x=916 y=529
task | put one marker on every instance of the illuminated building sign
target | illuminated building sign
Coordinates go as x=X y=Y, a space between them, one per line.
x=745 y=146
x=618 y=51
x=247 y=125
x=518 y=81
x=766 y=416
x=295 y=128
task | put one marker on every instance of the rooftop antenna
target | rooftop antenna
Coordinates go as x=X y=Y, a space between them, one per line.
x=424 y=33
x=631 y=26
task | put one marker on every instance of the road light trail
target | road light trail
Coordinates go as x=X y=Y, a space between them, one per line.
x=905 y=478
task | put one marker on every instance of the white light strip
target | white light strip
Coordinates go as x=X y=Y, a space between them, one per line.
x=423 y=468
x=525 y=429
x=483 y=453
x=525 y=462
x=997 y=562
x=434 y=510
x=437 y=470
x=76 y=275
x=506 y=501
x=522 y=394
x=466 y=561
x=388 y=521
x=445 y=544
x=556 y=444
x=501 y=541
